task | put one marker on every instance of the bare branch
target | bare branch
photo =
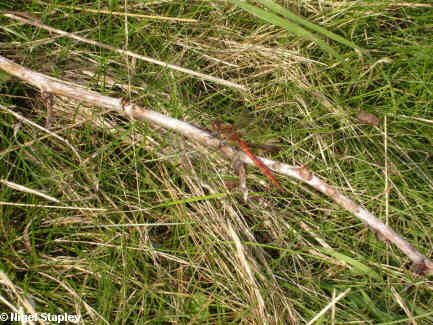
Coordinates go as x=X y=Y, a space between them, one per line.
x=301 y=173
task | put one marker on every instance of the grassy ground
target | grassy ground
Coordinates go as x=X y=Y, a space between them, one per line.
x=166 y=248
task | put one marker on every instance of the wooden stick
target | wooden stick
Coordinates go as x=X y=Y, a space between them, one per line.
x=301 y=173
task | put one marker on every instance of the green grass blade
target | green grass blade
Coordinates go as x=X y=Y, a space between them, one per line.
x=323 y=31
x=289 y=26
x=357 y=267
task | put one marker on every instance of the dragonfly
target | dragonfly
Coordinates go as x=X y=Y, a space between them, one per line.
x=228 y=132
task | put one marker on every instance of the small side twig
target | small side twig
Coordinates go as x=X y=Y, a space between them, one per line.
x=301 y=173
x=240 y=170
x=47 y=98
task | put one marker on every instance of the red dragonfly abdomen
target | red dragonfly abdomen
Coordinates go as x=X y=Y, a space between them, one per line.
x=265 y=170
